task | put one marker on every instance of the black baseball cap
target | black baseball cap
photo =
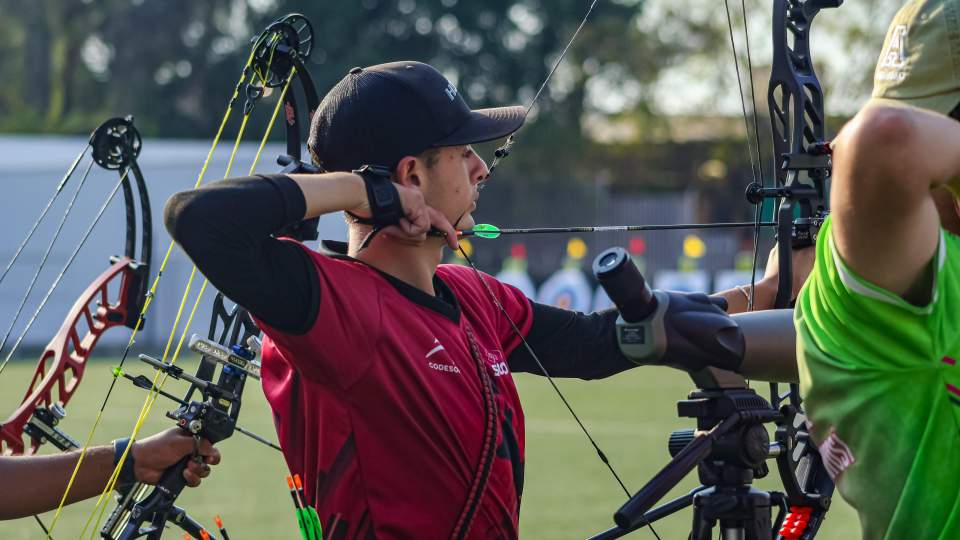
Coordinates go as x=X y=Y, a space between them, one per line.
x=379 y=114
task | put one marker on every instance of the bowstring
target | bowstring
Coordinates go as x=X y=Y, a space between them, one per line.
x=756 y=162
x=158 y=381
x=151 y=294
x=501 y=153
x=504 y=150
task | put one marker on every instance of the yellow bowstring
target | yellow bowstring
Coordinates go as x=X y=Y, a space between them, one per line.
x=149 y=300
x=155 y=388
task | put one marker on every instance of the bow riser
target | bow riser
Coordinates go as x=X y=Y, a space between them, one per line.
x=61 y=366
x=794 y=95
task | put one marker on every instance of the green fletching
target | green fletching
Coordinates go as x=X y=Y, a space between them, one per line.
x=301 y=522
x=315 y=522
x=485 y=230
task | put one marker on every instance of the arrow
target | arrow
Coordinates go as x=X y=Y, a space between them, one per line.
x=486 y=230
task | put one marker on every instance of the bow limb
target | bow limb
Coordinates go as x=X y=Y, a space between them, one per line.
x=61 y=365
x=276 y=60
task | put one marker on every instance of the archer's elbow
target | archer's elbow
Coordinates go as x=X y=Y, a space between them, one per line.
x=190 y=218
x=871 y=153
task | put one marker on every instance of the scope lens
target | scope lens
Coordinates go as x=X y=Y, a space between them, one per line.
x=608 y=260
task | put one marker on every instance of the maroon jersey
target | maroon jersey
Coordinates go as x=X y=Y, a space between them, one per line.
x=379 y=406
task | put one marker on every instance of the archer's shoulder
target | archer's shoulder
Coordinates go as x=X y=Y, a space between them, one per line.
x=457 y=272
x=460 y=277
x=879 y=126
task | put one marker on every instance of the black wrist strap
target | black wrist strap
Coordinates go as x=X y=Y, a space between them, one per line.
x=382 y=195
x=127 y=476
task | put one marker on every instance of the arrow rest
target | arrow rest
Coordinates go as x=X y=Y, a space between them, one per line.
x=231 y=344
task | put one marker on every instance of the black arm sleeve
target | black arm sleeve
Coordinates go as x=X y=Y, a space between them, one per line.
x=571 y=344
x=226 y=227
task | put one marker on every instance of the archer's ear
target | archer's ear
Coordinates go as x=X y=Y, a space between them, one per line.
x=407 y=172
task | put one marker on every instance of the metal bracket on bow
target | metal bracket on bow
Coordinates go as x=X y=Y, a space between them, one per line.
x=232 y=344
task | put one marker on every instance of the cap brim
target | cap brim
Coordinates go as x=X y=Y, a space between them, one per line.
x=486 y=125
x=941 y=103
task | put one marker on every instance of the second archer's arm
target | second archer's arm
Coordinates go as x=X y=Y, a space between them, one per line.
x=886 y=162
x=34 y=484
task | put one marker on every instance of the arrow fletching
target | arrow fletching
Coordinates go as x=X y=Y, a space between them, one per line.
x=485 y=230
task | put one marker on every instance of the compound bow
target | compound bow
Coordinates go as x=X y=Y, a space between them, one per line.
x=277 y=55
x=114 y=298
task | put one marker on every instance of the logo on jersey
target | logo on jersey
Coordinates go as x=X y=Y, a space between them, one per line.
x=448 y=368
x=437 y=348
x=836 y=455
x=497 y=363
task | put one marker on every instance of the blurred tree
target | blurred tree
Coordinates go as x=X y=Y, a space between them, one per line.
x=609 y=107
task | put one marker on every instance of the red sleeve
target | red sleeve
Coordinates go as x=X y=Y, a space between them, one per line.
x=338 y=348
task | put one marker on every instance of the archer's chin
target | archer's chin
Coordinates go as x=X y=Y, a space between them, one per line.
x=466 y=223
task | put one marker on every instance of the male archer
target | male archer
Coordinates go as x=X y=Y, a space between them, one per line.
x=389 y=374
x=877 y=322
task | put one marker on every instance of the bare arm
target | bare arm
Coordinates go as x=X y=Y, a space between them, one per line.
x=35 y=484
x=886 y=162
x=765 y=290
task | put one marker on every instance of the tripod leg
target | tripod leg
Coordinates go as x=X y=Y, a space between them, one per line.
x=702 y=525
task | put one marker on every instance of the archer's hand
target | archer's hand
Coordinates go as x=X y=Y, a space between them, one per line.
x=417 y=220
x=802 y=264
x=159 y=452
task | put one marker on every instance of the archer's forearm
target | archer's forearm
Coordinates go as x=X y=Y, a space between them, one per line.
x=571 y=344
x=35 y=484
x=330 y=192
x=738 y=298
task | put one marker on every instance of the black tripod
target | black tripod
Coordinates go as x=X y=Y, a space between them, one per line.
x=730 y=445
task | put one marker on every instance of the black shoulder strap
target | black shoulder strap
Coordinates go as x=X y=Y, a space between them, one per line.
x=479 y=485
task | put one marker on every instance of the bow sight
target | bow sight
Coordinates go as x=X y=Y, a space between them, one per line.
x=213 y=418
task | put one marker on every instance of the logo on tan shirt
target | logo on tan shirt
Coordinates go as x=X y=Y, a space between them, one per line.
x=894 y=58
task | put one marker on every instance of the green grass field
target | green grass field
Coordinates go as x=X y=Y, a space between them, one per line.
x=568 y=492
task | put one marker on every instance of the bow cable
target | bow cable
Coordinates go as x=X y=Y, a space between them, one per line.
x=756 y=166
x=43 y=263
x=159 y=381
x=151 y=295
x=43 y=213
x=63 y=271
